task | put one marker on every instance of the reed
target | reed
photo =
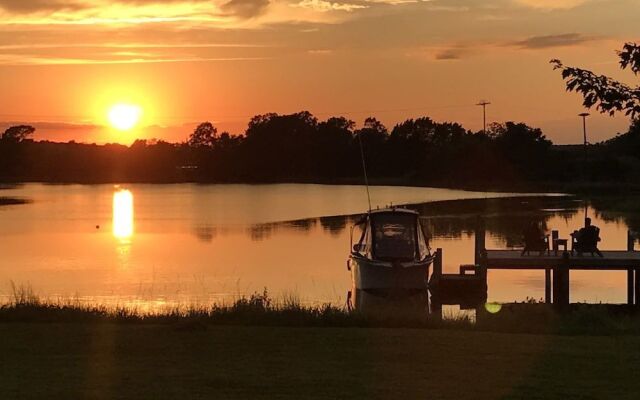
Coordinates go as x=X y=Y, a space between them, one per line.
x=260 y=309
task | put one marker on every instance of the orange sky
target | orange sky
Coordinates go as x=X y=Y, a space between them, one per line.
x=63 y=63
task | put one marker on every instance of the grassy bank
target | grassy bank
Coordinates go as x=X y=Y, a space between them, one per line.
x=261 y=310
x=260 y=349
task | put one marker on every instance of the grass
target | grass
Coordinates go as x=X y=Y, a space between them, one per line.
x=260 y=309
x=259 y=348
x=156 y=361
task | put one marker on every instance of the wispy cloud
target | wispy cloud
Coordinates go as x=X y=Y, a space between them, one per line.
x=33 y=6
x=325 y=6
x=35 y=46
x=454 y=53
x=245 y=8
x=21 y=59
x=320 y=52
x=548 y=41
x=552 y=4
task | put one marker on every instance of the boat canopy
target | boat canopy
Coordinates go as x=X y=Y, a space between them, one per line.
x=391 y=235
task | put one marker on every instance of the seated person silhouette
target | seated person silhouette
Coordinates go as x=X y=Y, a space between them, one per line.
x=587 y=238
x=535 y=239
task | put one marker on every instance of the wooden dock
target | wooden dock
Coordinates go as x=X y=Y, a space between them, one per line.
x=612 y=260
x=558 y=264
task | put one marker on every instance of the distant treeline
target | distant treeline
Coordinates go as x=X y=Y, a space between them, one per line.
x=300 y=148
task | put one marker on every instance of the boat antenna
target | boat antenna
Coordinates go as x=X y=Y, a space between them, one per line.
x=364 y=169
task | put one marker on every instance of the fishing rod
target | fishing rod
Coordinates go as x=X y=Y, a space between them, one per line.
x=364 y=169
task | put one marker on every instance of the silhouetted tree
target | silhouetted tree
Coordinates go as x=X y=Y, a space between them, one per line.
x=18 y=133
x=608 y=95
x=374 y=136
x=334 y=154
x=299 y=148
x=205 y=135
x=279 y=147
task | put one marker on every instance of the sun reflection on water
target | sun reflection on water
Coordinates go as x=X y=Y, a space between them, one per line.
x=123 y=215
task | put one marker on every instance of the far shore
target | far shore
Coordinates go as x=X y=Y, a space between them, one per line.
x=583 y=188
x=8 y=201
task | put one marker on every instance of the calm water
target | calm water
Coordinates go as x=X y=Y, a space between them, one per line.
x=160 y=245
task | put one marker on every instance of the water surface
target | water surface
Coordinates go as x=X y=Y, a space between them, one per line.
x=161 y=245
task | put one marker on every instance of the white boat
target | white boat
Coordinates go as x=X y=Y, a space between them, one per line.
x=391 y=256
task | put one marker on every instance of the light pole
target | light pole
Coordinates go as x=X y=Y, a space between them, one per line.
x=584 y=127
x=484 y=105
x=584 y=116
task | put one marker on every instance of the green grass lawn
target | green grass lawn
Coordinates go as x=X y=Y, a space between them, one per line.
x=105 y=360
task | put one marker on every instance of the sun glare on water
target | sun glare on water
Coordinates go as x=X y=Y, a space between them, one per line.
x=122 y=214
x=124 y=117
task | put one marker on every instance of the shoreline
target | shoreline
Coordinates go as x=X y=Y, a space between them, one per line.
x=583 y=188
x=260 y=310
x=9 y=201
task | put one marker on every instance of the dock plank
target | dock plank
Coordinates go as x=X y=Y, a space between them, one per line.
x=611 y=260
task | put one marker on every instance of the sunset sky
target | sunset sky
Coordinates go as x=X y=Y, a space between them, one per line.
x=65 y=63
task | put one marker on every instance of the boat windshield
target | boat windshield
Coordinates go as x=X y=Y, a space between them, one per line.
x=394 y=236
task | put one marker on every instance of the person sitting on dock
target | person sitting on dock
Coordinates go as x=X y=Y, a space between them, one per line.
x=586 y=239
x=535 y=239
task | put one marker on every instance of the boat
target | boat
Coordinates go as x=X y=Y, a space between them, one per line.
x=391 y=256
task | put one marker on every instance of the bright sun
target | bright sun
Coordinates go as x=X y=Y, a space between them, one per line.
x=124 y=117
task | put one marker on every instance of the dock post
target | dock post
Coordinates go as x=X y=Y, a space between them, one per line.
x=437 y=265
x=480 y=246
x=637 y=287
x=554 y=241
x=547 y=285
x=630 y=286
x=436 y=304
x=632 y=275
x=561 y=284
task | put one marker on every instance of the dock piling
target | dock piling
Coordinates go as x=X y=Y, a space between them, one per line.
x=436 y=302
x=561 y=283
x=480 y=246
x=637 y=287
x=437 y=265
x=632 y=273
x=547 y=285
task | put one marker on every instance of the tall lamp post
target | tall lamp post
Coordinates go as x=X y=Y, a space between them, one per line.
x=584 y=116
x=484 y=104
x=584 y=127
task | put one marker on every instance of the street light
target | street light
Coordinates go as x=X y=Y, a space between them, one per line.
x=484 y=104
x=584 y=116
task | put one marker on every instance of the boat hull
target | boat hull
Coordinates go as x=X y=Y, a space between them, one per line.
x=386 y=278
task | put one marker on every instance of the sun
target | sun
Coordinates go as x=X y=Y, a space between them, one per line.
x=124 y=117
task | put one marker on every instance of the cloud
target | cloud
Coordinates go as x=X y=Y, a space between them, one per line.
x=552 y=4
x=32 y=6
x=450 y=54
x=15 y=60
x=48 y=125
x=324 y=6
x=245 y=8
x=548 y=41
x=320 y=52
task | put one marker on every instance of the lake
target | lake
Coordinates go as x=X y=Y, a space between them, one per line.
x=155 y=246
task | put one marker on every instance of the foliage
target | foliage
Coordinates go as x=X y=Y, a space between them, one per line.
x=300 y=148
x=205 y=135
x=607 y=94
x=17 y=133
